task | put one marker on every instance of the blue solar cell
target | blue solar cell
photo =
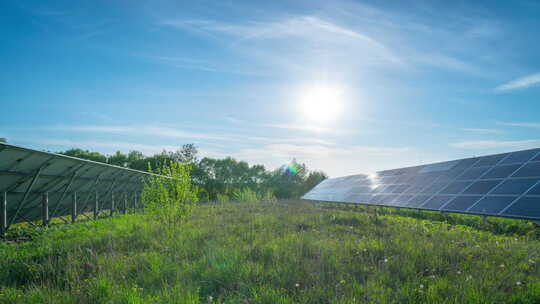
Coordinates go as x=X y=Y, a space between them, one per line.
x=376 y=199
x=416 y=188
x=417 y=200
x=436 y=202
x=461 y=203
x=520 y=156
x=473 y=173
x=401 y=188
x=481 y=187
x=500 y=171
x=455 y=187
x=526 y=207
x=378 y=189
x=466 y=163
x=492 y=204
x=390 y=189
x=529 y=170
x=387 y=199
x=537 y=158
x=490 y=160
x=535 y=190
x=402 y=200
x=451 y=174
x=435 y=187
x=515 y=186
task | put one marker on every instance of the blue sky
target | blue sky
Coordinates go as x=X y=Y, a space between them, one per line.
x=413 y=83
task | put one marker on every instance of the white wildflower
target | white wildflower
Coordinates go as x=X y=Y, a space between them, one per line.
x=518 y=283
x=421 y=286
x=297 y=285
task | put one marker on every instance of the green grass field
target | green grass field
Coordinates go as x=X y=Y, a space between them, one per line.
x=293 y=252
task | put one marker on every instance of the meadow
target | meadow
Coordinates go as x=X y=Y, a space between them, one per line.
x=283 y=252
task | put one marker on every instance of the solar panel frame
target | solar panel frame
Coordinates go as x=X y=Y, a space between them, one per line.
x=417 y=191
x=26 y=175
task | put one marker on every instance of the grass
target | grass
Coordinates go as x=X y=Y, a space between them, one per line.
x=293 y=252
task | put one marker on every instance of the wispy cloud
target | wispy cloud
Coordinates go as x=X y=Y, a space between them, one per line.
x=482 y=131
x=164 y=131
x=105 y=146
x=535 y=125
x=298 y=127
x=520 y=83
x=497 y=144
x=311 y=34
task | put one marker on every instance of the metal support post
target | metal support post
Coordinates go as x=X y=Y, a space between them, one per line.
x=96 y=207
x=112 y=203
x=45 y=209
x=124 y=208
x=3 y=215
x=74 y=208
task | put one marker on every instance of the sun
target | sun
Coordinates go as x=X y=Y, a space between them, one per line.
x=321 y=103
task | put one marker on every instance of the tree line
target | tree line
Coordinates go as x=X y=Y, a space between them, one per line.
x=217 y=178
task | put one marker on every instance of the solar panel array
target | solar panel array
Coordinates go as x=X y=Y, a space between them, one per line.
x=506 y=184
x=26 y=175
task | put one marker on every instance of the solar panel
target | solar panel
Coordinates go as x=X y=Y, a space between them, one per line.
x=29 y=178
x=506 y=185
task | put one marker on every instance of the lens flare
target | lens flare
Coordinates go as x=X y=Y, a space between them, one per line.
x=292 y=170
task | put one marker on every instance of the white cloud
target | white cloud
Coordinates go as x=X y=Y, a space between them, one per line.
x=298 y=127
x=520 y=83
x=304 y=38
x=162 y=131
x=497 y=144
x=482 y=131
x=535 y=125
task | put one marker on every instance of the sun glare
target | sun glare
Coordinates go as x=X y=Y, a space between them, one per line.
x=321 y=103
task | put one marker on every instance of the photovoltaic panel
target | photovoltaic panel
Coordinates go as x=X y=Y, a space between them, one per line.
x=506 y=184
x=25 y=175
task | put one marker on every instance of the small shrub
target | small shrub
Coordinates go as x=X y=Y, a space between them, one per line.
x=222 y=198
x=170 y=197
x=245 y=195
x=268 y=197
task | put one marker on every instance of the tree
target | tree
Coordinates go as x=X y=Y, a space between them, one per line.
x=85 y=154
x=118 y=159
x=313 y=179
x=170 y=196
x=3 y=140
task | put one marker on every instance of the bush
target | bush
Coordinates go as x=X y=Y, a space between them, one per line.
x=222 y=198
x=170 y=197
x=245 y=196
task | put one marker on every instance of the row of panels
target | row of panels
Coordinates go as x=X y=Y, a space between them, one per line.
x=505 y=184
x=26 y=174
